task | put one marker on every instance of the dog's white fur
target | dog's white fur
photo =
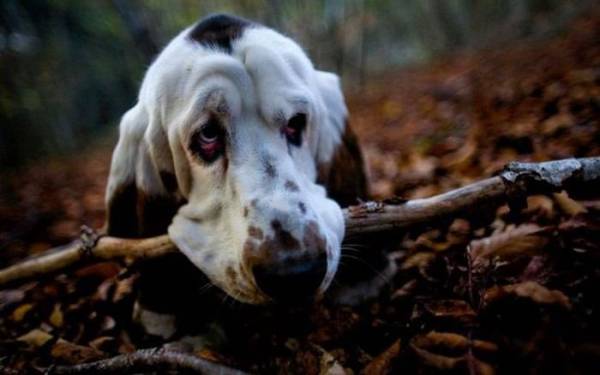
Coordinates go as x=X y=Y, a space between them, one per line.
x=265 y=80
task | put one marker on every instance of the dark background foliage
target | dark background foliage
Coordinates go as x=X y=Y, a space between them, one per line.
x=70 y=68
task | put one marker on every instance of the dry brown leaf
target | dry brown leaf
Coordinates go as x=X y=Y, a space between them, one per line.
x=530 y=290
x=56 y=317
x=72 y=353
x=540 y=205
x=124 y=288
x=451 y=341
x=526 y=239
x=462 y=158
x=420 y=260
x=557 y=122
x=426 y=346
x=103 y=343
x=383 y=362
x=451 y=309
x=405 y=290
x=568 y=205
x=20 y=312
x=478 y=367
x=103 y=270
x=36 y=338
x=423 y=262
x=330 y=366
x=437 y=361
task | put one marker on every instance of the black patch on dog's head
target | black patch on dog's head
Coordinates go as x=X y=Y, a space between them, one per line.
x=218 y=30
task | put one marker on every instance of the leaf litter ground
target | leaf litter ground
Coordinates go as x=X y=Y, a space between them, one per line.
x=492 y=293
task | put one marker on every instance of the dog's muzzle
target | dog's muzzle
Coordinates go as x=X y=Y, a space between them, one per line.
x=289 y=261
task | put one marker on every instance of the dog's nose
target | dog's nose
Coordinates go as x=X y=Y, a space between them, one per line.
x=290 y=281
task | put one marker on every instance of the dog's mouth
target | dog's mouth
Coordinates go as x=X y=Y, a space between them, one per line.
x=260 y=274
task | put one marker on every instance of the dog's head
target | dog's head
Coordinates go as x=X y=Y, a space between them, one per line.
x=232 y=144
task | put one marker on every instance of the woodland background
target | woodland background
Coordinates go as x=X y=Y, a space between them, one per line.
x=441 y=93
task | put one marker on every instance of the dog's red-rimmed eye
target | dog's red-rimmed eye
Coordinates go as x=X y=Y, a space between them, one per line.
x=208 y=142
x=294 y=128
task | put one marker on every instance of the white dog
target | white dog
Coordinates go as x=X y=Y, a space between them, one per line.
x=240 y=149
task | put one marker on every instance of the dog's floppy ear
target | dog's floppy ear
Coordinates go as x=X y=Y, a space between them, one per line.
x=340 y=161
x=141 y=195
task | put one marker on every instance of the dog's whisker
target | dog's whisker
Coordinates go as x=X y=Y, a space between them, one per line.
x=377 y=273
x=205 y=288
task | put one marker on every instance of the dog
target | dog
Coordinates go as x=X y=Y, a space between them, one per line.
x=240 y=150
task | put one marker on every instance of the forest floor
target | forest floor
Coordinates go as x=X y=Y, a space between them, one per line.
x=500 y=293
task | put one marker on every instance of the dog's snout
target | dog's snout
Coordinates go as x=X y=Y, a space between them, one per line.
x=292 y=279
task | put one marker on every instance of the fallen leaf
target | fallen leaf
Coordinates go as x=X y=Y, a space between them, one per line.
x=35 y=338
x=72 y=353
x=383 y=362
x=124 y=288
x=20 y=312
x=452 y=342
x=56 y=317
x=526 y=239
x=529 y=290
x=104 y=344
x=103 y=270
x=445 y=351
x=568 y=205
x=423 y=262
x=540 y=205
x=437 y=361
x=420 y=260
x=330 y=366
x=405 y=290
x=452 y=309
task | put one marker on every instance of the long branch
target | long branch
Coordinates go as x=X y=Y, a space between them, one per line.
x=512 y=185
x=156 y=359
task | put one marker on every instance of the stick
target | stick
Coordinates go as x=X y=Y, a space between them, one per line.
x=511 y=186
x=152 y=360
x=107 y=248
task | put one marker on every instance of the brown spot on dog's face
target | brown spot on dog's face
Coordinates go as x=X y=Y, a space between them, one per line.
x=291 y=186
x=231 y=274
x=246 y=210
x=270 y=169
x=312 y=237
x=302 y=207
x=283 y=237
x=255 y=232
x=249 y=247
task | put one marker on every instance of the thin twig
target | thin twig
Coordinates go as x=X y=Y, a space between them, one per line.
x=512 y=186
x=107 y=248
x=151 y=360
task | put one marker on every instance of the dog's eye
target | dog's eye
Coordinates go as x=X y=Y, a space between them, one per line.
x=209 y=141
x=294 y=128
